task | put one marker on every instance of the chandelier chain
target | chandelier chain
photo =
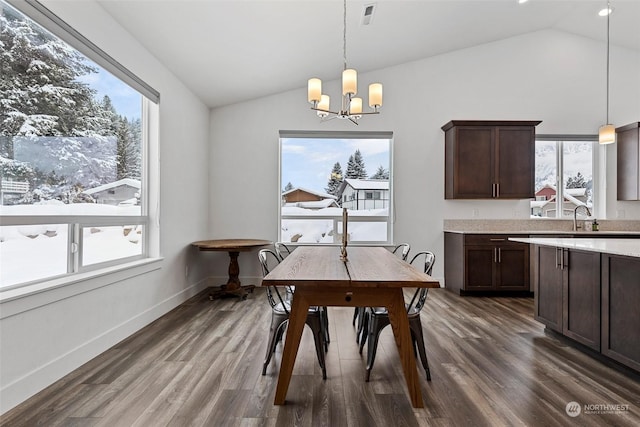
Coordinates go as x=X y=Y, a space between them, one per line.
x=608 y=15
x=344 y=35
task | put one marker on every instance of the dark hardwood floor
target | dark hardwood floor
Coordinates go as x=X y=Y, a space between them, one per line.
x=200 y=365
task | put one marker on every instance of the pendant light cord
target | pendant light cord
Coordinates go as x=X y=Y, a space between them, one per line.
x=608 y=15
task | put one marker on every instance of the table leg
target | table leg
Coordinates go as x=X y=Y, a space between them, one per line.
x=400 y=325
x=233 y=287
x=297 y=319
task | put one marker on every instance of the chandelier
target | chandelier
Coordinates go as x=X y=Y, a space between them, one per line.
x=351 y=108
x=607 y=132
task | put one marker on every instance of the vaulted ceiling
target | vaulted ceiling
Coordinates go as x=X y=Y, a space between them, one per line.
x=227 y=51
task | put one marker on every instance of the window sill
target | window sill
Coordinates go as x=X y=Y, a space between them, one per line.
x=19 y=300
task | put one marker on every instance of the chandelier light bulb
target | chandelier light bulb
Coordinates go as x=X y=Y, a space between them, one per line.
x=375 y=95
x=324 y=103
x=314 y=90
x=355 y=107
x=349 y=82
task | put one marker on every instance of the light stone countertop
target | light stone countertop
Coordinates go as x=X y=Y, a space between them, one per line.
x=625 y=247
x=538 y=226
x=595 y=234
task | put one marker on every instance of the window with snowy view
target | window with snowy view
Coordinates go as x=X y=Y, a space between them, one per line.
x=323 y=172
x=71 y=158
x=564 y=177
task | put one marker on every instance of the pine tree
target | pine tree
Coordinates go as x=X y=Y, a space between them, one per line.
x=42 y=95
x=126 y=151
x=288 y=187
x=39 y=87
x=355 y=167
x=381 y=173
x=576 y=182
x=335 y=179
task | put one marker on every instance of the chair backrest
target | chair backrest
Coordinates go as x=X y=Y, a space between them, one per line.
x=420 y=296
x=268 y=260
x=282 y=250
x=403 y=250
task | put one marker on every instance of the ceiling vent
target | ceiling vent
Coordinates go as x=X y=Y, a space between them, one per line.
x=367 y=13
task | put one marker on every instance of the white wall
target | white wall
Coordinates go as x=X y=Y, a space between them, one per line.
x=548 y=75
x=47 y=335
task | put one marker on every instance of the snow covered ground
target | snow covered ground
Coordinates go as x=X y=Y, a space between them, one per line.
x=35 y=252
x=322 y=230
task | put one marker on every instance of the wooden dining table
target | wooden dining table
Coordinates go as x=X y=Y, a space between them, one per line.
x=371 y=276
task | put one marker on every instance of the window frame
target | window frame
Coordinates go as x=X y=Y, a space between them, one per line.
x=387 y=135
x=149 y=118
x=560 y=139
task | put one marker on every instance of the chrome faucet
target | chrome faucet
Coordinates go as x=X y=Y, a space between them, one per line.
x=575 y=214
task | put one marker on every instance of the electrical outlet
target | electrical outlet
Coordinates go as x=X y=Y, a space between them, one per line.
x=475 y=213
x=186 y=271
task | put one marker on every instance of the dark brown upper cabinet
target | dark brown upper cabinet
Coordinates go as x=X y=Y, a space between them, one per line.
x=628 y=142
x=489 y=159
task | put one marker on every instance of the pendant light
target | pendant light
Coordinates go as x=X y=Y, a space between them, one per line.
x=607 y=132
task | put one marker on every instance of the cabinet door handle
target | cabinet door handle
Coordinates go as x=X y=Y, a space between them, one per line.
x=561 y=258
x=499 y=255
x=497 y=240
x=498 y=190
x=493 y=190
x=557 y=257
x=495 y=255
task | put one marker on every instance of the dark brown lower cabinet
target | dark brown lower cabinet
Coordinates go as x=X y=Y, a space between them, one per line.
x=621 y=309
x=548 y=288
x=581 y=297
x=592 y=298
x=477 y=263
x=567 y=294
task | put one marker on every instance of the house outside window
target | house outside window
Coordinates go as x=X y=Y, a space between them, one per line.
x=341 y=170
x=565 y=176
x=74 y=164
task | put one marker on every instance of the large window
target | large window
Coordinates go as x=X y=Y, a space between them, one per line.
x=564 y=176
x=323 y=172
x=73 y=152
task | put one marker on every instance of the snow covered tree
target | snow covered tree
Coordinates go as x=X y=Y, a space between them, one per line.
x=126 y=152
x=576 y=181
x=42 y=94
x=381 y=173
x=288 y=187
x=40 y=91
x=355 y=167
x=335 y=179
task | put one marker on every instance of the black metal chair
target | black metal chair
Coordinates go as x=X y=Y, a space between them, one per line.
x=404 y=249
x=280 y=312
x=282 y=250
x=358 y=313
x=377 y=318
